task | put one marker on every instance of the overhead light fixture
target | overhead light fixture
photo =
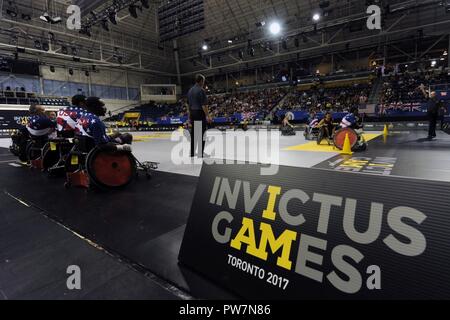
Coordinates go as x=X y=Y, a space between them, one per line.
x=64 y=50
x=230 y=41
x=132 y=9
x=37 y=44
x=205 y=47
x=55 y=20
x=433 y=63
x=275 y=28
x=52 y=69
x=45 y=46
x=11 y=10
x=105 y=25
x=86 y=73
x=113 y=17
x=45 y=17
x=71 y=71
x=445 y=53
x=316 y=17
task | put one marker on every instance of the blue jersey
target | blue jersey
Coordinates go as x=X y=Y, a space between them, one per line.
x=90 y=125
x=40 y=125
x=349 y=121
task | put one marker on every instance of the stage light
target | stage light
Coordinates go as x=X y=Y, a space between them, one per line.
x=64 y=50
x=132 y=9
x=230 y=41
x=113 y=17
x=105 y=25
x=316 y=17
x=433 y=63
x=11 y=10
x=205 y=47
x=37 y=44
x=275 y=28
x=445 y=53
x=45 y=17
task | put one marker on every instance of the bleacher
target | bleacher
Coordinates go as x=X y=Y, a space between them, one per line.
x=23 y=98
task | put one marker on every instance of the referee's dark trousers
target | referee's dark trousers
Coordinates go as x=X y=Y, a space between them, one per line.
x=198 y=129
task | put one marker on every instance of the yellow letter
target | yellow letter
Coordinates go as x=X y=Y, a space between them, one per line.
x=274 y=192
x=284 y=241
x=247 y=225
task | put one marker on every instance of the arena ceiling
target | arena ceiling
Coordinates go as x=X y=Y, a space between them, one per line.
x=136 y=40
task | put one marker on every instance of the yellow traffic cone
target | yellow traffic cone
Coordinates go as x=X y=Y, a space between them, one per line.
x=386 y=130
x=347 y=148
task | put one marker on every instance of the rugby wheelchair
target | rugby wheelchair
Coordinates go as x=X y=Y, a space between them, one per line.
x=108 y=166
x=357 y=141
x=311 y=133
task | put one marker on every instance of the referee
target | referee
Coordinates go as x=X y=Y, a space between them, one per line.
x=198 y=115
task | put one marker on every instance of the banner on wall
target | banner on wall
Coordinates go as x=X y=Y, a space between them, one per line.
x=319 y=234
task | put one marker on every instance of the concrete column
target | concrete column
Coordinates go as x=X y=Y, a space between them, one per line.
x=177 y=61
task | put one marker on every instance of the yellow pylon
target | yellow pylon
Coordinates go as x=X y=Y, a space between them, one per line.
x=347 y=149
x=386 y=130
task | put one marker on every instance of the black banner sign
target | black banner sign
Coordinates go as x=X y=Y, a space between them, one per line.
x=317 y=234
x=11 y=120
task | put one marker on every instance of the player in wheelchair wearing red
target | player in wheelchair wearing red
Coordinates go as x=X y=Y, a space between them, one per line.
x=351 y=125
x=99 y=159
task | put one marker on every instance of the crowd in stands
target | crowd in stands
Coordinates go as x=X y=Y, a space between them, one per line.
x=404 y=88
x=332 y=99
x=247 y=103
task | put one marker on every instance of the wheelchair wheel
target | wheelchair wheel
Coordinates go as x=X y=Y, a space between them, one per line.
x=339 y=138
x=110 y=169
x=320 y=137
x=33 y=151
x=49 y=157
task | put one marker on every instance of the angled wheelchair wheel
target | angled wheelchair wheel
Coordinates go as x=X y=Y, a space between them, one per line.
x=339 y=138
x=49 y=157
x=33 y=151
x=111 y=169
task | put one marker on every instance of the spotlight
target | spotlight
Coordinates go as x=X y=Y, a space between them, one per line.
x=71 y=71
x=37 y=44
x=51 y=36
x=230 y=41
x=316 y=17
x=105 y=25
x=11 y=10
x=52 y=69
x=132 y=9
x=445 y=53
x=45 y=17
x=45 y=46
x=205 y=47
x=55 y=20
x=113 y=17
x=433 y=63
x=275 y=28
x=145 y=4
x=64 y=50
x=86 y=73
